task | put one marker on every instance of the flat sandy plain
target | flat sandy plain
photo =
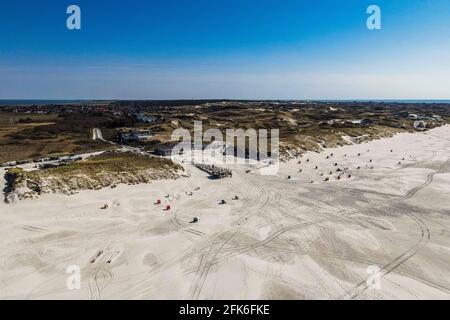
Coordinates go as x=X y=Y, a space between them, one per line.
x=283 y=239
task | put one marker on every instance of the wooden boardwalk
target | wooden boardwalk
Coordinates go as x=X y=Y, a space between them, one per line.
x=215 y=172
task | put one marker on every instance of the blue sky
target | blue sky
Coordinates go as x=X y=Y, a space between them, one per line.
x=246 y=49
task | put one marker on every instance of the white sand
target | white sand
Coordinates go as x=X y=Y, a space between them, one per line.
x=283 y=239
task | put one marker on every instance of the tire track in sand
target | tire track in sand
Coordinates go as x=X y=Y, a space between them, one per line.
x=425 y=236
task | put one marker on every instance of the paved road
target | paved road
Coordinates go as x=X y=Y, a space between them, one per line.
x=97 y=134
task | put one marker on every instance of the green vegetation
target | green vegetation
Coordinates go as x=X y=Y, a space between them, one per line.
x=106 y=170
x=32 y=136
x=108 y=162
x=30 y=133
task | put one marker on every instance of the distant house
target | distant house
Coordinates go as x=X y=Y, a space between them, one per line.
x=166 y=149
x=413 y=116
x=141 y=117
x=132 y=135
x=363 y=122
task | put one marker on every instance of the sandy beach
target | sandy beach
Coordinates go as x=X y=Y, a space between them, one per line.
x=297 y=238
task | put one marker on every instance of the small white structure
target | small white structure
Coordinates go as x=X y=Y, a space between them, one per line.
x=141 y=117
x=127 y=136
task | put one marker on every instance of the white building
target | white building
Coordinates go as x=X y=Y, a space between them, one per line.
x=127 y=136
x=141 y=117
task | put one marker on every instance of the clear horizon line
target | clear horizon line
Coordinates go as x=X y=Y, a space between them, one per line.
x=234 y=99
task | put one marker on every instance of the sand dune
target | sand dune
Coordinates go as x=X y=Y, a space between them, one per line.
x=283 y=239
